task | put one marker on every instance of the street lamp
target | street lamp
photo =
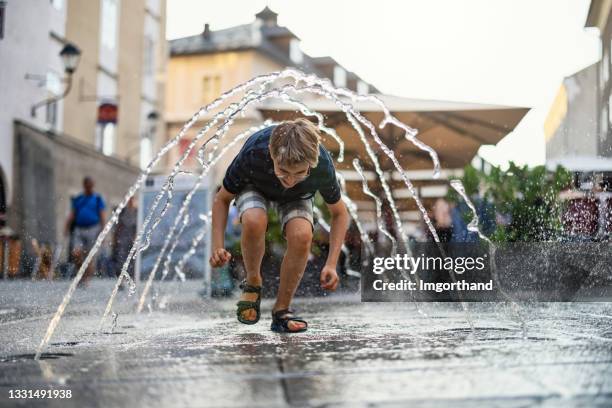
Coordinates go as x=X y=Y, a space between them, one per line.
x=70 y=56
x=151 y=122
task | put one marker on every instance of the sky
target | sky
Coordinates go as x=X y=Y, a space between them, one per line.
x=505 y=52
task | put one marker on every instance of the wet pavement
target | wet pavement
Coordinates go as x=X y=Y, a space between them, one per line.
x=193 y=353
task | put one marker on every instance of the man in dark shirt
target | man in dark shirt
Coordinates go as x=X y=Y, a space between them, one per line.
x=281 y=167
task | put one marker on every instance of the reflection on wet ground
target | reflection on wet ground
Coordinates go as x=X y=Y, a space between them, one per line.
x=194 y=353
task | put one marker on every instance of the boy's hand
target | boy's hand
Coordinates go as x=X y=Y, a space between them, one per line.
x=329 y=278
x=219 y=257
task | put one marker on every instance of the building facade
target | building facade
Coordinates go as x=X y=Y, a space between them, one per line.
x=106 y=124
x=599 y=16
x=203 y=66
x=121 y=72
x=579 y=122
x=31 y=71
x=570 y=128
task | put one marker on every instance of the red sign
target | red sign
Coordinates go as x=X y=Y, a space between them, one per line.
x=108 y=113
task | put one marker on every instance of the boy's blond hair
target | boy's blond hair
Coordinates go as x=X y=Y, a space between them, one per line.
x=295 y=142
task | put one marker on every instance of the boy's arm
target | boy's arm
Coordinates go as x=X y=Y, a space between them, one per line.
x=339 y=226
x=219 y=256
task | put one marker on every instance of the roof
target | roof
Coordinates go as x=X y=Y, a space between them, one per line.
x=228 y=39
x=241 y=38
x=393 y=103
x=455 y=130
x=350 y=75
x=266 y=13
x=277 y=31
x=324 y=60
x=259 y=36
x=598 y=12
x=591 y=20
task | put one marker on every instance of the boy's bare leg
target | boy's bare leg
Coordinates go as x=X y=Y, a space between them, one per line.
x=298 y=232
x=253 y=242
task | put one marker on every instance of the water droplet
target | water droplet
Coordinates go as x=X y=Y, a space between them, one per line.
x=114 y=322
x=132 y=289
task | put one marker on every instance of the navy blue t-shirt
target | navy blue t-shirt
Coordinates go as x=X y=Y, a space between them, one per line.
x=87 y=209
x=253 y=166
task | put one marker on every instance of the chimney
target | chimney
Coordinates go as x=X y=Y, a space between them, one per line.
x=206 y=33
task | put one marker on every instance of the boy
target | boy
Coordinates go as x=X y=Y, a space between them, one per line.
x=284 y=166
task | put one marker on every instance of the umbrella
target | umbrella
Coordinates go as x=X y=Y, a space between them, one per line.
x=456 y=130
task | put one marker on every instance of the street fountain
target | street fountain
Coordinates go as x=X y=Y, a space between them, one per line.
x=254 y=91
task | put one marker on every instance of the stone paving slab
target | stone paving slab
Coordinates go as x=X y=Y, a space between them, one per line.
x=192 y=353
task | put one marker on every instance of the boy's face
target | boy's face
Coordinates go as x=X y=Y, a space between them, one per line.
x=289 y=176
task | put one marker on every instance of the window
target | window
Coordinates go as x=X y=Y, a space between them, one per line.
x=2 y=16
x=191 y=157
x=108 y=139
x=149 y=56
x=153 y=6
x=362 y=88
x=339 y=76
x=51 y=114
x=146 y=152
x=605 y=68
x=57 y=4
x=109 y=23
x=54 y=84
x=295 y=53
x=54 y=88
x=211 y=88
x=604 y=122
x=105 y=140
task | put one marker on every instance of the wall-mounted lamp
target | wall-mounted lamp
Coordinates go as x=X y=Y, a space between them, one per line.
x=70 y=56
x=152 y=118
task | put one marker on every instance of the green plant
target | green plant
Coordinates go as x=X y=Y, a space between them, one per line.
x=528 y=197
x=274 y=234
